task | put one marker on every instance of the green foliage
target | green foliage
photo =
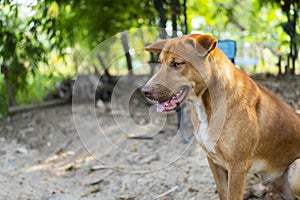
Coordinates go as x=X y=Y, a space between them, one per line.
x=27 y=33
x=3 y=98
x=253 y=23
x=98 y=20
x=32 y=33
x=112 y=53
x=39 y=83
x=291 y=26
x=234 y=19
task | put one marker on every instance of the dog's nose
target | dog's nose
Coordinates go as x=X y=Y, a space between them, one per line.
x=148 y=91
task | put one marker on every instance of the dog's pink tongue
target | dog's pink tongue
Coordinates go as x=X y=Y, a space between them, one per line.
x=166 y=105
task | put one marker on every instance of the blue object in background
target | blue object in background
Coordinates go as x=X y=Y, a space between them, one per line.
x=228 y=47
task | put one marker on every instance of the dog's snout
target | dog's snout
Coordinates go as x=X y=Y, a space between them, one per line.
x=147 y=91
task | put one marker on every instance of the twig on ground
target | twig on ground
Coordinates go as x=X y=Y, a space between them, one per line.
x=95 y=190
x=167 y=192
x=150 y=159
x=97 y=167
x=61 y=148
x=140 y=137
x=100 y=179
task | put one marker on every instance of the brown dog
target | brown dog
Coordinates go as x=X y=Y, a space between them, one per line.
x=243 y=127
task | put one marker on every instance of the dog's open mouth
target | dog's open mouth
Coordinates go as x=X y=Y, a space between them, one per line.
x=173 y=102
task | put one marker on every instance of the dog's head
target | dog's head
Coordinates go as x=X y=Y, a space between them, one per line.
x=184 y=70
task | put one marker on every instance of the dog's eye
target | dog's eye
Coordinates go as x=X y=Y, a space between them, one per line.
x=178 y=64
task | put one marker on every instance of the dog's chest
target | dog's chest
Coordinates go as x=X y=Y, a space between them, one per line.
x=201 y=135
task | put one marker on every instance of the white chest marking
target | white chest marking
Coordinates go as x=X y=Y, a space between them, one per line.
x=202 y=135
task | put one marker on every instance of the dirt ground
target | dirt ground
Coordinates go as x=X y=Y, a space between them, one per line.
x=80 y=152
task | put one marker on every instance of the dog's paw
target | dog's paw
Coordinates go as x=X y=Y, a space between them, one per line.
x=273 y=196
x=259 y=189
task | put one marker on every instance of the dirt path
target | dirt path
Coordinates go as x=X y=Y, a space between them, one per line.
x=44 y=154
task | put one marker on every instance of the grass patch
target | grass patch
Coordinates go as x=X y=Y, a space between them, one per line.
x=39 y=83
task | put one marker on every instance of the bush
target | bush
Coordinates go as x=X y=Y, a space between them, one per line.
x=38 y=84
x=4 y=105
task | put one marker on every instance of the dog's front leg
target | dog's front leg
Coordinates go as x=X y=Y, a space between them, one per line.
x=221 y=179
x=230 y=184
x=236 y=184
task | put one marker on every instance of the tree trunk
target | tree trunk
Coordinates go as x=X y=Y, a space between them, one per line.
x=158 y=4
x=124 y=40
x=290 y=28
x=175 y=8
x=279 y=65
x=294 y=57
x=185 y=29
x=104 y=66
x=287 y=66
x=9 y=88
x=295 y=35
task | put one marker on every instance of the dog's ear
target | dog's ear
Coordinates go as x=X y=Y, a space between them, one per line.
x=156 y=47
x=203 y=43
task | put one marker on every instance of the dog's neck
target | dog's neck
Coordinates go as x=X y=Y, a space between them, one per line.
x=222 y=74
x=210 y=108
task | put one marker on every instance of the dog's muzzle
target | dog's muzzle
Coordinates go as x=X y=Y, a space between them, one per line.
x=165 y=98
